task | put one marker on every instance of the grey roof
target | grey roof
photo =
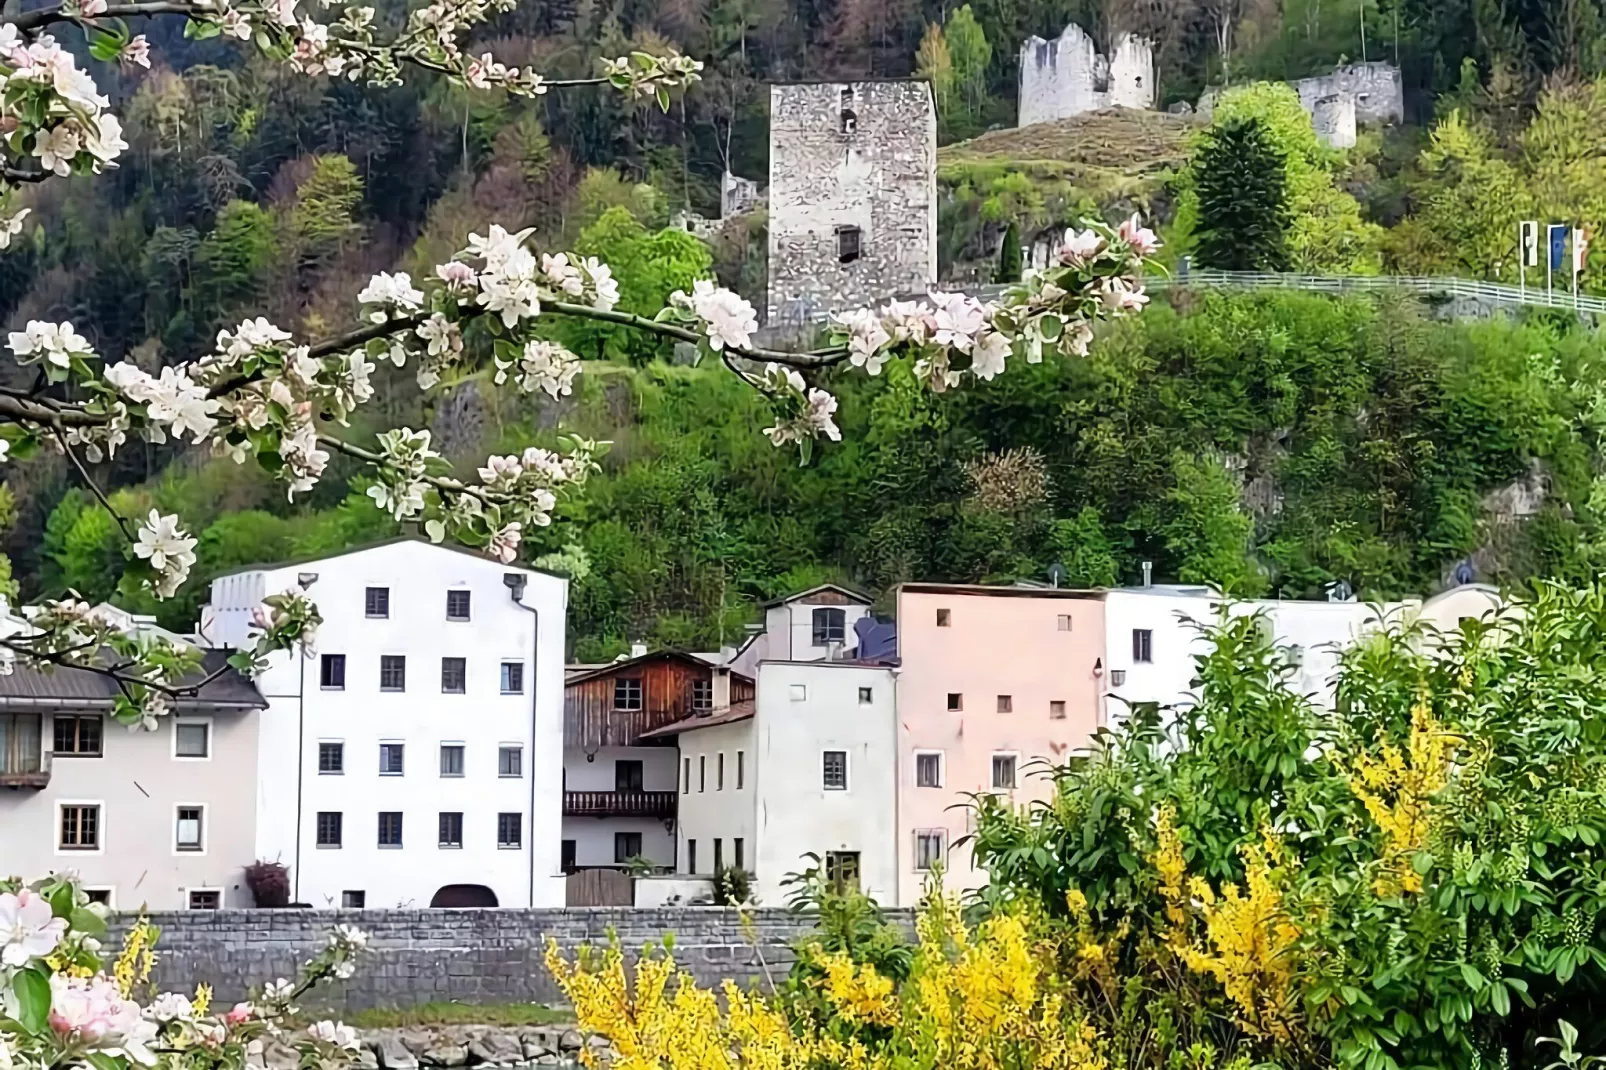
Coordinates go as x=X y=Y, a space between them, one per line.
x=26 y=688
x=272 y=566
x=848 y=592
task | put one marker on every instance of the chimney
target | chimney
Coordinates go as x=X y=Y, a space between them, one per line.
x=722 y=687
x=1148 y=573
x=638 y=649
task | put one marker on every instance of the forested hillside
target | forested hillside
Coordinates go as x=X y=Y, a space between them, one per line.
x=1269 y=444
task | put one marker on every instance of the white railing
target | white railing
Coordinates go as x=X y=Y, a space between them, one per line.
x=1431 y=286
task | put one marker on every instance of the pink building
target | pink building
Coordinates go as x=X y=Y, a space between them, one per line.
x=990 y=679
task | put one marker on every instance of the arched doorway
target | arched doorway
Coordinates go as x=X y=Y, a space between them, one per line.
x=464 y=895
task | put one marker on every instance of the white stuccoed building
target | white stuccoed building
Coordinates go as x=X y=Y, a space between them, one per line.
x=416 y=758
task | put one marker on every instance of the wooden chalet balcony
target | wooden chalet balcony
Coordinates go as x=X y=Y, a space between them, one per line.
x=619 y=804
x=25 y=770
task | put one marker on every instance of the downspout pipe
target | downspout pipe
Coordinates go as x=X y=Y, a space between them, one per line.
x=516 y=583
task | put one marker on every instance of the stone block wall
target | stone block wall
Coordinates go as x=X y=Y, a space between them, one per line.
x=1333 y=119
x=1067 y=76
x=473 y=956
x=1376 y=87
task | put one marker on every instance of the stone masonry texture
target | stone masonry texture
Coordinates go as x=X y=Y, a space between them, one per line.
x=471 y=956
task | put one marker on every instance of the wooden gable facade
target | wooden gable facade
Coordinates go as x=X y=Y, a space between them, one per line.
x=613 y=705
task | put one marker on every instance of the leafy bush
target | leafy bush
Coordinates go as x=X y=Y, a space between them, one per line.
x=269 y=883
x=733 y=886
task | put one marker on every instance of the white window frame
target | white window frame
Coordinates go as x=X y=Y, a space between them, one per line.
x=204 y=888
x=76 y=852
x=847 y=769
x=211 y=739
x=402 y=743
x=109 y=889
x=942 y=834
x=205 y=821
x=942 y=767
x=1014 y=754
x=503 y=664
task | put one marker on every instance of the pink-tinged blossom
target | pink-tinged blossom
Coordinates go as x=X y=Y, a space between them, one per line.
x=1080 y=247
x=957 y=318
x=867 y=339
x=505 y=543
x=456 y=275
x=91 y=1013
x=240 y=1012
x=988 y=356
x=28 y=929
x=1119 y=295
x=137 y=53
x=1143 y=241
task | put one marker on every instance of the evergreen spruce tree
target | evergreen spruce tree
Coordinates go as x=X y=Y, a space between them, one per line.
x=1243 y=219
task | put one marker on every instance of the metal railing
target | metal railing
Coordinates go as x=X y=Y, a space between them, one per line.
x=619 y=803
x=1429 y=286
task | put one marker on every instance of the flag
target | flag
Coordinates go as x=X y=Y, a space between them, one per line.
x=1529 y=242
x=1557 y=235
x=1580 y=249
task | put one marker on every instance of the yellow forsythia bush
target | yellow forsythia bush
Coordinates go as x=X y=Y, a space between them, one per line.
x=982 y=998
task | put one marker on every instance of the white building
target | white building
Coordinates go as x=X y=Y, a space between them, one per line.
x=808 y=626
x=417 y=758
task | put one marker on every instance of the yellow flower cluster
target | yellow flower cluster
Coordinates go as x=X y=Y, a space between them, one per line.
x=137 y=959
x=203 y=999
x=1397 y=787
x=1171 y=866
x=858 y=994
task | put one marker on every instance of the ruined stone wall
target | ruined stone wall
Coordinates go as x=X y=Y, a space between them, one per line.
x=1067 y=76
x=1376 y=87
x=736 y=195
x=1333 y=119
x=474 y=956
x=848 y=156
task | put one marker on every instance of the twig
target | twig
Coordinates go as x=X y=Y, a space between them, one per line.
x=88 y=481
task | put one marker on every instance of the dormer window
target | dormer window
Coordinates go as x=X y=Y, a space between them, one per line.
x=848 y=118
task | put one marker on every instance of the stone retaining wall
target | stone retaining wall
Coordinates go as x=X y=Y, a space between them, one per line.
x=473 y=956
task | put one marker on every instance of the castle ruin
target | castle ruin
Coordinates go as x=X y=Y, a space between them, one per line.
x=852 y=196
x=1067 y=76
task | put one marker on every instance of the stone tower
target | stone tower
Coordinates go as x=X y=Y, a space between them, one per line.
x=852 y=197
x=1067 y=76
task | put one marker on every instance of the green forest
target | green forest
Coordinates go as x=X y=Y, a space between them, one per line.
x=1270 y=444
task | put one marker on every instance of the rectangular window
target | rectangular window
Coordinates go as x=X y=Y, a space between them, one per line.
x=943 y=618
x=866 y=696
x=956 y=701
x=78 y=736
x=741 y=769
x=1006 y=704
x=392 y=672
x=206 y=899
x=702 y=772
x=451 y=759
x=376 y=602
x=842 y=870
x=931 y=846
x=848 y=246
x=192 y=739
x=451 y=829
x=1056 y=709
x=1142 y=646
x=928 y=770
x=626 y=845
x=719 y=854
x=390 y=828
x=391 y=757
x=454 y=676
x=187 y=836
x=103 y=896
x=457 y=603
x=510 y=761
x=1065 y=622
x=568 y=851
x=830 y=626
x=512 y=677
x=685 y=777
x=719 y=772
x=702 y=695
x=509 y=830
x=329 y=828
x=627 y=693
x=354 y=900
x=332 y=672
x=22 y=743
x=627 y=775
x=691 y=856
x=331 y=758
x=1003 y=772
x=80 y=828
x=834 y=770
x=737 y=858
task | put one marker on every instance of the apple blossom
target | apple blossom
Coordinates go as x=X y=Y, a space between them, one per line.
x=28 y=930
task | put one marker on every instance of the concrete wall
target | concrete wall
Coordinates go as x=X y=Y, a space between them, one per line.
x=850 y=154
x=138 y=784
x=709 y=812
x=422 y=718
x=1067 y=76
x=804 y=710
x=475 y=956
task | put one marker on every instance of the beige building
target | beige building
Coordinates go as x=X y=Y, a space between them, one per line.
x=164 y=819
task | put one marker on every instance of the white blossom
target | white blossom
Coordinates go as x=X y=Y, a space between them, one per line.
x=1080 y=247
x=137 y=53
x=505 y=543
x=988 y=355
x=543 y=365
x=727 y=318
x=169 y=549
x=57 y=147
x=395 y=291
x=867 y=339
x=58 y=343
x=605 y=288
x=956 y=319
x=562 y=275
x=11 y=226
x=28 y=929
x=170 y=1006
x=1120 y=295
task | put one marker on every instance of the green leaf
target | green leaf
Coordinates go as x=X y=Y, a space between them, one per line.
x=101 y=1061
x=87 y=921
x=1500 y=1000
x=663 y=97
x=61 y=901
x=33 y=999
x=200 y=31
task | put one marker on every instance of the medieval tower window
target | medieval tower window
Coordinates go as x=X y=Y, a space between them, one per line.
x=847 y=244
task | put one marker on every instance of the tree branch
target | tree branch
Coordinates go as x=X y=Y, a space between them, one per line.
x=123 y=680
x=44 y=16
x=816 y=358
x=441 y=483
x=17 y=174
x=88 y=481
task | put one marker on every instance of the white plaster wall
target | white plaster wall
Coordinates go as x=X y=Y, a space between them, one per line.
x=593 y=839
x=796 y=814
x=672 y=891
x=421 y=717
x=709 y=812
x=593 y=836
x=800 y=618
x=1322 y=631
x=1171 y=615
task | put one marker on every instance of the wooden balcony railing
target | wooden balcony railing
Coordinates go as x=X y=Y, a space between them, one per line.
x=619 y=804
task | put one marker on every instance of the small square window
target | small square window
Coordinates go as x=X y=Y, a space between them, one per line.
x=192 y=739
x=1056 y=709
x=451 y=829
x=849 y=241
x=80 y=828
x=1006 y=704
x=1065 y=622
x=956 y=701
x=103 y=896
x=928 y=770
x=830 y=626
x=834 y=770
x=626 y=845
x=627 y=774
x=1003 y=772
x=78 y=736
x=332 y=672
x=702 y=695
x=943 y=618
x=931 y=847
x=376 y=602
x=391 y=759
x=331 y=758
x=509 y=830
x=627 y=693
x=800 y=692
x=206 y=899
x=866 y=696
x=512 y=677
x=392 y=672
x=329 y=828
x=354 y=900
x=451 y=759
x=510 y=761
x=457 y=603
x=188 y=834
x=390 y=828
x=454 y=676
